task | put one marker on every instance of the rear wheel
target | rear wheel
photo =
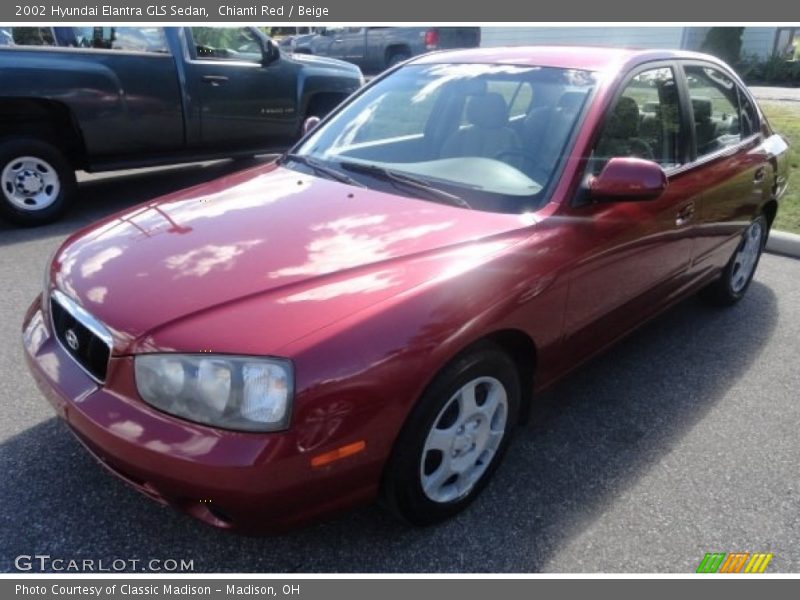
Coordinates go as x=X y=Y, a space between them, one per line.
x=37 y=183
x=397 y=56
x=454 y=438
x=738 y=273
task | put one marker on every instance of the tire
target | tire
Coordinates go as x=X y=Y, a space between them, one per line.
x=423 y=484
x=397 y=56
x=738 y=273
x=37 y=183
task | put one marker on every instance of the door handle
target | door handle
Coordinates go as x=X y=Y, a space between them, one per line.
x=215 y=80
x=759 y=176
x=685 y=214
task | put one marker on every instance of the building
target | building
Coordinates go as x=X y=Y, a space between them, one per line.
x=760 y=42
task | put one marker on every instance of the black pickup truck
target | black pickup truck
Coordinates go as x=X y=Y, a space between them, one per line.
x=104 y=98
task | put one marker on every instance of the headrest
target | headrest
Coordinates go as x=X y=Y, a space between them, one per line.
x=487 y=110
x=702 y=109
x=624 y=121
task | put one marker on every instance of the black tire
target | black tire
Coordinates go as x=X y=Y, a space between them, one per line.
x=397 y=56
x=731 y=287
x=402 y=490
x=12 y=205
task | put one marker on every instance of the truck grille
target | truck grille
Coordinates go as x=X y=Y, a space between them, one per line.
x=83 y=337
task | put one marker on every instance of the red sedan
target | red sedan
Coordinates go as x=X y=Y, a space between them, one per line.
x=373 y=314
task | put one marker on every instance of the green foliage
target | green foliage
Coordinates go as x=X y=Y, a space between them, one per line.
x=775 y=70
x=724 y=43
x=785 y=119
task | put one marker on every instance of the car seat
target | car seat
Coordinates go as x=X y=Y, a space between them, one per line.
x=488 y=135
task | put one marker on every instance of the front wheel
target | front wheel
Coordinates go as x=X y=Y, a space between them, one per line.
x=454 y=438
x=738 y=273
x=37 y=183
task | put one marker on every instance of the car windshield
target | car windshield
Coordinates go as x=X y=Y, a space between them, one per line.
x=489 y=136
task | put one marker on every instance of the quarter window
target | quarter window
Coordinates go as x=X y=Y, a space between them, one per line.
x=715 y=109
x=748 y=116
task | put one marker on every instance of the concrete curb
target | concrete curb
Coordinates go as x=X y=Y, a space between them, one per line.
x=786 y=244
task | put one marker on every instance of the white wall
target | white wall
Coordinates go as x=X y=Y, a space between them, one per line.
x=755 y=40
x=759 y=41
x=630 y=37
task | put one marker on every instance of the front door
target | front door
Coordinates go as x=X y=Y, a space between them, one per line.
x=241 y=102
x=632 y=254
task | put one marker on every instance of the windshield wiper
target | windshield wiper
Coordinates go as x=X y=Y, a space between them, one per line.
x=322 y=169
x=409 y=180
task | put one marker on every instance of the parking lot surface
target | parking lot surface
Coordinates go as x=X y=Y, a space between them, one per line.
x=681 y=440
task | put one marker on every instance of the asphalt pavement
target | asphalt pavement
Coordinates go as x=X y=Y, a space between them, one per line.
x=681 y=440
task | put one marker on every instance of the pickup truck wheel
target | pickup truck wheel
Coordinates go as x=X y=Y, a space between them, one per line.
x=36 y=180
x=454 y=438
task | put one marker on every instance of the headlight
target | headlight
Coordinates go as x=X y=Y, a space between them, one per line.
x=246 y=393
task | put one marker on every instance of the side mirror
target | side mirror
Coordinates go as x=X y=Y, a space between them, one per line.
x=270 y=51
x=310 y=123
x=628 y=179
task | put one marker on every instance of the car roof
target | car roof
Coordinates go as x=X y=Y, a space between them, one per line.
x=590 y=58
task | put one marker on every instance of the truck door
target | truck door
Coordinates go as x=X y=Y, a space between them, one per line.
x=122 y=86
x=242 y=103
x=354 y=45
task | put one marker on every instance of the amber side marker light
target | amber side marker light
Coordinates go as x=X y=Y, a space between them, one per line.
x=342 y=452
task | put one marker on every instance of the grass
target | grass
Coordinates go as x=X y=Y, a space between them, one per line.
x=785 y=119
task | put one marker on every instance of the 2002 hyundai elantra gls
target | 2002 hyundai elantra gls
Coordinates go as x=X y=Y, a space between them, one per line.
x=372 y=314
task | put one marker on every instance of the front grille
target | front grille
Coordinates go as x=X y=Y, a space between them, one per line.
x=81 y=335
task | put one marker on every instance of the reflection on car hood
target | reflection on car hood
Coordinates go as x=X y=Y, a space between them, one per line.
x=298 y=250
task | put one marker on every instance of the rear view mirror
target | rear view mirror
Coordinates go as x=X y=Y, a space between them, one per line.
x=310 y=123
x=628 y=179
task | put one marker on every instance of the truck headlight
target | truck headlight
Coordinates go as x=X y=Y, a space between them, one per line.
x=233 y=392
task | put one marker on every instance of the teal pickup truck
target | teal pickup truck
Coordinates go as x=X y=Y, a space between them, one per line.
x=104 y=98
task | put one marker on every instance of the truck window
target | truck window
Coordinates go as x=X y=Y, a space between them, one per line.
x=226 y=43
x=28 y=36
x=128 y=39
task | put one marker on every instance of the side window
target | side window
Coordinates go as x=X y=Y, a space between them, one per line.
x=130 y=39
x=226 y=43
x=715 y=105
x=644 y=123
x=27 y=36
x=748 y=115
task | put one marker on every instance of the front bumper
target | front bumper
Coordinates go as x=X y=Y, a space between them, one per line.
x=228 y=479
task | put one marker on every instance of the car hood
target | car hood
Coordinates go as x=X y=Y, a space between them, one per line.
x=292 y=251
x=323 y=62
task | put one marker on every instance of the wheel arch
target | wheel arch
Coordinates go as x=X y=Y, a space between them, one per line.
x=395 y=48
x=522 y=350
x=48 y=120
x=770 y=211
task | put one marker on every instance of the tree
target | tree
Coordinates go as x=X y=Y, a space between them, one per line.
x=724 y=43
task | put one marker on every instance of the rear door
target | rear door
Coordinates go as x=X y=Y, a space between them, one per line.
x=242 y=103
x=729 y=161
x=120 y=82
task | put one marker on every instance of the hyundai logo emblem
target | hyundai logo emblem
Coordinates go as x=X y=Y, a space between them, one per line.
x=72 y=339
